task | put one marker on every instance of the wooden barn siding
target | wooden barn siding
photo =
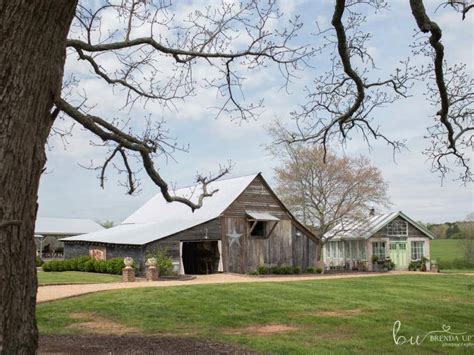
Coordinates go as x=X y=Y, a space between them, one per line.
x=252 y=252
x=256 y=197
x=283 y=247
x=197 y=233
x=304 y=251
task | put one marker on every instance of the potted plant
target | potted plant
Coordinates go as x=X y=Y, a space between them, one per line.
x=387 y=264
x=424 y=260
x=375 y=264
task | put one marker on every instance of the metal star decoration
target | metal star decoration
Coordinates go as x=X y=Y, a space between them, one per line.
x=234 y=237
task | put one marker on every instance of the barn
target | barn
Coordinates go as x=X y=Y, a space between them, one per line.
x=242 y=226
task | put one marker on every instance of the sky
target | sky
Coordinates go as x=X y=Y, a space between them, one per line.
x=69 y=190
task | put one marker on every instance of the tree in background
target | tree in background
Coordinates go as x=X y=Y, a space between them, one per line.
x=107 y=224
x=468 y=242
x=324 y=195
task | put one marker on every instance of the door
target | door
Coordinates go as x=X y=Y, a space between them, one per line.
x=398 y=254
x=200 y=257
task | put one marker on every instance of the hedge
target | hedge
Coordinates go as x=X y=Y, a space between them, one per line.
x=86 y=264
x=455 y=264
x=277 y=270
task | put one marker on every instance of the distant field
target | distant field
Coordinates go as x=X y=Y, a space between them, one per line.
x=446 y=249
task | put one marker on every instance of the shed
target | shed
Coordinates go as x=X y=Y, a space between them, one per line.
x=242 y=226
x=48 y=231
x=391 y=235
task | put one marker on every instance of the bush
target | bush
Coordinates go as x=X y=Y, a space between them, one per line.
x=164 y=263
x=310 y=270
x=115 y=266
x=455 y=264
x=38 y=261
x=296 y=269
x=262 y=270
x=319 y=270
x=282 y=270
x=86 y=264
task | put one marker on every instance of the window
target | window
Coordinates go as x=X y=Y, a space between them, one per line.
x=333 y=249
x=378 y=249
x=259 y=229
x=397 y=228
x=417 y=250
x=362 y=249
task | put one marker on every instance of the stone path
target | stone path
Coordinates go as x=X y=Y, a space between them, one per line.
x=56 y=292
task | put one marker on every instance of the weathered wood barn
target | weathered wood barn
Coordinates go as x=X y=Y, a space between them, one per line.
x=242 y=226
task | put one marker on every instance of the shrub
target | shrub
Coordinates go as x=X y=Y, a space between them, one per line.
x=282 y=270
x=81 y=261
x=319 y=270
x=164 y=263
x=310 y=270
x=38 y=261
x=115 y=266
x=262 y=270
x=89 y=266
x=86 y=264
x=296 y=269
x=455 y=264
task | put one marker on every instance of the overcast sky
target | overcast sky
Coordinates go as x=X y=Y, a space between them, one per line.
x=68 y=190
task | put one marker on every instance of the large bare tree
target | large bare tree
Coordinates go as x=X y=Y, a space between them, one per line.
x=345 y=101
x=136 y=46
x=328 y=195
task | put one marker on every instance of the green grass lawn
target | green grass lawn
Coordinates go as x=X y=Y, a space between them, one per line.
x=74 y=277
x=446 y=249
x=330 y=316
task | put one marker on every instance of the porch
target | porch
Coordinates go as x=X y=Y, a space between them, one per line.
x=345 y=255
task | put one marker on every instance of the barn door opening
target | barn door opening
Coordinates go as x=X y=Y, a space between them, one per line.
x=201 y=257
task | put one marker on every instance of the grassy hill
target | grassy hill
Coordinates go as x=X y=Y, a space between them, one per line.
x=446 y=249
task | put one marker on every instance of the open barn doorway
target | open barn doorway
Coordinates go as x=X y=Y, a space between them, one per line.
x=200 y=257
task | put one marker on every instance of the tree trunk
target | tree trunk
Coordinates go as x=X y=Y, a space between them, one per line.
x=32 y=56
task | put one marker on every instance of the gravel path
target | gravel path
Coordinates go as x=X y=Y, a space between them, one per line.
x=51 y=293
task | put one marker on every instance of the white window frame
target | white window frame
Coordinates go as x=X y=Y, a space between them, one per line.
x=362 y=254
x=417 y=249
x=378 y=249
x=397 y=228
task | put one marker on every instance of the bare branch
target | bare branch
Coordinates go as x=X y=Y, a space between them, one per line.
x=108 y=132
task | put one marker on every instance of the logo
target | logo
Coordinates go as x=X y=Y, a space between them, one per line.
x=445 y=336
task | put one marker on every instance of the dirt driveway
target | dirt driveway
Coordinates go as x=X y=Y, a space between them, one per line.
x=86 y=344
x=51 y=293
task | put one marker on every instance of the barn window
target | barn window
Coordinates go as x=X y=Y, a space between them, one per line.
x=259 y=229
x=397 y=228
x=417 y=250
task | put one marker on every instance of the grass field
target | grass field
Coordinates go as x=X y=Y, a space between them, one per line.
x=446 y=249
x=331 y=316
x=74 y=277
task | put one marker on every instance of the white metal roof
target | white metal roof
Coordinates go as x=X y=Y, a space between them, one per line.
x=261 y=216
x=65 y=226
x=366 y=228
x=158 y=219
